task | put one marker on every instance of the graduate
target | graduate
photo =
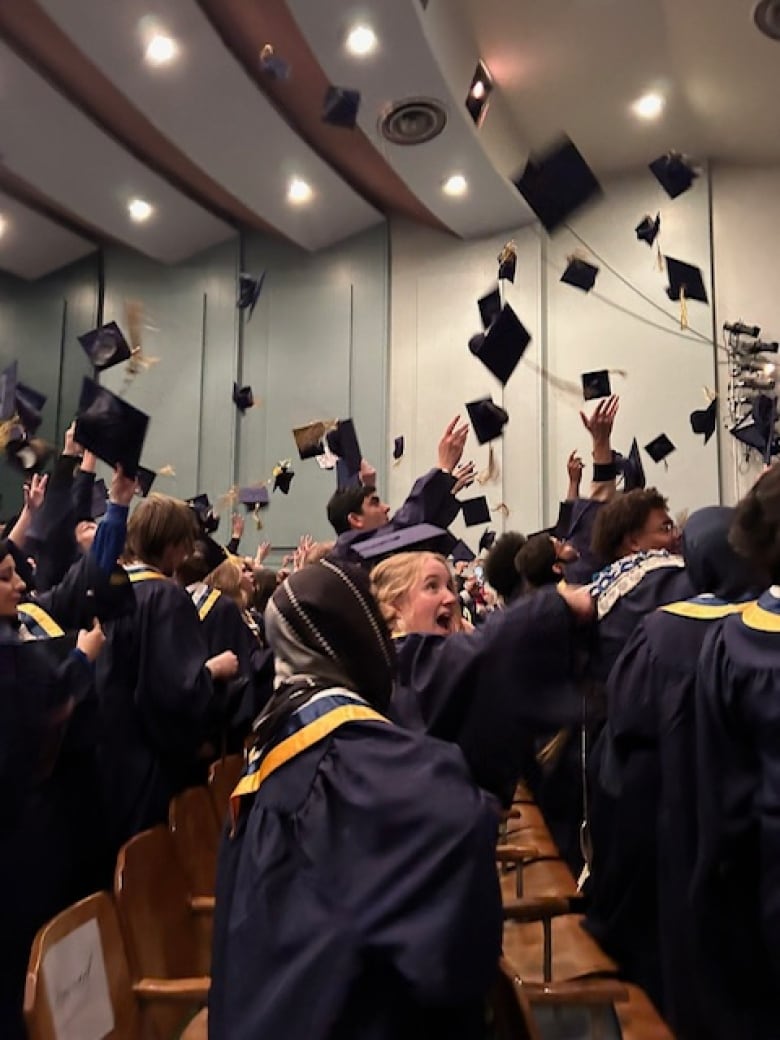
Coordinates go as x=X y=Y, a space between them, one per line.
x=491 y=691
x=643 y=803
x=357 y=893
x=736 y=890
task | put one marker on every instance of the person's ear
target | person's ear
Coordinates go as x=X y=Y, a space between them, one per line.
x=355 y=520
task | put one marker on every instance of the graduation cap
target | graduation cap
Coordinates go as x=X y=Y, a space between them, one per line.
x=29 y=405
x=489 y=308
x=596 y=384
x=8 y=392
x=580 y=274
x=501 y=347
x=685 y=279
x=340 y=107
x=24 y=454
x=283 y=477
x=207 y=519
x=272 y=65
x=109 y=427
x=557 y=183
x=632 y=469
x=249 y=289
x=757 y=428
x=486 y=541
x=243 y=397
x=673 y=173
x=310 y=439
x=398 y=448
x=344 y=444
x=507 y=263
x=647 y=230
x=461 y=553
x=105 y=346
x=476 y=511
x=487 y=418
x=99 y=499
x=659 y=448
x=417 y=538
x=253 y=498
x=144 y=478
x=704 y=420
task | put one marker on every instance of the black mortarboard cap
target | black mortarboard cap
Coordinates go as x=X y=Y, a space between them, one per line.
x=8 y=392
x=212 y=552
x=461 y=553
x=416 y=538
x=27 y=455
x=249 y=289
x=144 y=478
x=687 y=277
x=29 y=405
x=557 y=183
x=398 y=447
x=476 y=511
x=105 y=346
x=487 y=418
x=673 y=173
x=756 y=429
x=596 y=384
x=344 y=444
x=243 y=397
x=489 y=308
x=580 y=274
x=99 y=499
x=110 y=428
x=659 y=448
x=254 y=497
x=486 y=540
x=204 y=512
x=507 y=263
x=633 y=470
x=310 y=439
x=340 y=107
x=704 y=420
x=283 y=477
x=647 y=230
x=502 y=346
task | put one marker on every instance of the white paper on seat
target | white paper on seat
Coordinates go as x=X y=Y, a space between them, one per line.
x=75 y=976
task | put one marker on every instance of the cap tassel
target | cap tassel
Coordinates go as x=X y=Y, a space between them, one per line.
x=257 y=517
x=502 y=508
x=491 y=472
x=6 y=431
x=659 y=256
x=166 y=471
x=683 y=309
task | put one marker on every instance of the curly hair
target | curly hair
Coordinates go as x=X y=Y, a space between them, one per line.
x=621 y=518
x=392 y=579
x=536 y=560
x=755 y=530
x=500 y=570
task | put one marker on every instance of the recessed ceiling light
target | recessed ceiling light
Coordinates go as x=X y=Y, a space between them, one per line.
x=649 y=106
x=139 y=210
x=298 y=191
x=361 y=40
x=455 y=185
x=160 y=50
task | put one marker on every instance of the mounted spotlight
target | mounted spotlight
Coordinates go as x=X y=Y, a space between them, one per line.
x=478 y=97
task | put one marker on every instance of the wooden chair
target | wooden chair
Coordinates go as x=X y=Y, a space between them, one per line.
x=195 y=831
x=223 y=777
x=167 y=932
x=94 y=964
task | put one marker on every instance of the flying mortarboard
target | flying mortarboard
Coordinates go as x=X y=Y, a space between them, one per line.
x=476 y=511
x=310 y=439
x=685 y=279
x=254 y=497
x=204 y=512
x=580 y=274
x=757 y=428
x=487 y=418
x=212 y=553
x=416 y=538
x=659 y=448
x=110 y=428
x=704 y=420
x=507 y=263
x=249 y=289
x=486 y=540
x=344 y=444
x=105 y=346
x=243 y=397
x=501 y=347
x=631 y=467
x=673 y=173
x=144 y=478
x=648 y=229
x=340 y=107
x=29 y=405
x=461 y=553
x=489 y=308
x=398 y=448
x=283 y=477
x=557 y=183
x=596 y=384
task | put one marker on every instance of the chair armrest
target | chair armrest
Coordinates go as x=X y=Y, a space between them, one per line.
x=515 y=853
x=537 y=908
x=187 y=989
x=580 y=991
x=202 y=904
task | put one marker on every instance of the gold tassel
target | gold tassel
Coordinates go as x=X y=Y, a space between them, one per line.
x=659 y=256
x=228 y=499
x=166 y=471
x=257 y=517
x=502 y=508
x=491 y=472
x=552 y=750
x=683 y=309
x=6 y=430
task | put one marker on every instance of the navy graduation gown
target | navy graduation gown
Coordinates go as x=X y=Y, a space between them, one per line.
x=736 y=889
x=575 y=526
x=358 y=898
x=494 y=690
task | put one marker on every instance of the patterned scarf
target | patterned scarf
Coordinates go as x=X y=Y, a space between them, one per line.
x=621 y=577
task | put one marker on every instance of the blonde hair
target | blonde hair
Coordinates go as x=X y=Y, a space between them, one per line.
x=392 y=579
x=227 y=578
x=158 y=523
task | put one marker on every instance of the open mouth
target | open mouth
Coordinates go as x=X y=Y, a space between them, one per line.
x=444 y=620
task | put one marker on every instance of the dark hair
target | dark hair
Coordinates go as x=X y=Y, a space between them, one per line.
x=755 y=531
x=157 y=523
x=345 y=501
x=535 y=562
x=265 y=582
x=624 y=516
x=500 y=570
x=195 y=567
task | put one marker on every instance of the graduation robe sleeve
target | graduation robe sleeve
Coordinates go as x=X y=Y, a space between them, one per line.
x=430 y=501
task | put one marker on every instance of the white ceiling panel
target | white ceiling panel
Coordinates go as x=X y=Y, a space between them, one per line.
x=32 y=245
x=209 y=108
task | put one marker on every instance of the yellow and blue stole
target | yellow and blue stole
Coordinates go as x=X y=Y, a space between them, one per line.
x=138 y=572
x=764 y=615
x=38 y=624
x=705 y=608
x=204 y=599
x=320 y=716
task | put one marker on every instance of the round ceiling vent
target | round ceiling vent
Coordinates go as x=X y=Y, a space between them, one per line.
x=413 y=120
x=767 y=18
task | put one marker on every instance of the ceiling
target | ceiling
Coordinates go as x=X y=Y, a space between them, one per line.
x=211 y=141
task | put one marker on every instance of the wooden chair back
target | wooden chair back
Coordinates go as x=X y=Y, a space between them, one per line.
x=512 y=1018
x=193 y=825
x=223 y=777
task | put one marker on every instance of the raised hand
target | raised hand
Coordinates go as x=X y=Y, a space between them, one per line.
x=600 y=424
x=122 y=488
x=367 y=474
x=236 y=526
x=35 y=492
x=465 y=475
x=263 y=550
x=451 y=445
x=71 y=446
